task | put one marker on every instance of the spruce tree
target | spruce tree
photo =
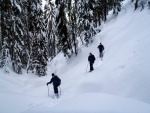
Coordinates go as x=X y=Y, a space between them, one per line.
x=37 y=48
x=64 y=42
x=85 y=21
x=50 y=27
x=18 y=33
x=6 y=18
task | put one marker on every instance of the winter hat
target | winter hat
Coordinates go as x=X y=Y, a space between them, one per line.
x=53 y=74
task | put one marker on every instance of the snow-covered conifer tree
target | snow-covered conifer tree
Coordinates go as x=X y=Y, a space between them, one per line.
x=50 y=26
x=85 y=21
x=6 y=28
x=37 y=42
x=64 y=41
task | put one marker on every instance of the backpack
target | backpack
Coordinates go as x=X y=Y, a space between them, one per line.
x=58 y=80
x=94 y=58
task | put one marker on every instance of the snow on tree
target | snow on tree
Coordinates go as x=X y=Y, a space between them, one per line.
x=37 y=42
x=29 y=35
x=50 y=27
x=64 y=41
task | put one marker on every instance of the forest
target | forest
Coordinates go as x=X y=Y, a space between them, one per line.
x=32 y=34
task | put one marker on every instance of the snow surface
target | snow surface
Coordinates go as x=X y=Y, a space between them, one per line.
x=120 y=82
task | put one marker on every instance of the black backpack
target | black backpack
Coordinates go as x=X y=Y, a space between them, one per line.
x=94 y=58
x=58 y=80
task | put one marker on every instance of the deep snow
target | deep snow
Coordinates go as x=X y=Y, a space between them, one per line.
x=119 y=84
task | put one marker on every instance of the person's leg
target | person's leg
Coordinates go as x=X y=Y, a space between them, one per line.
x=91 y=67
x=101 y=54
x=55 y=89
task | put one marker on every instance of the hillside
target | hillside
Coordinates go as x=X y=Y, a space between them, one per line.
x=119 y=83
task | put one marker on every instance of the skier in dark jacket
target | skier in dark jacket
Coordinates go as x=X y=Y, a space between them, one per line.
x=101 y=48
x=56 y=82
x=91 y=60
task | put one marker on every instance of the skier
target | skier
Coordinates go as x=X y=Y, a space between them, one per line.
x=56 y=82
x=101 y=48
x=91 y=60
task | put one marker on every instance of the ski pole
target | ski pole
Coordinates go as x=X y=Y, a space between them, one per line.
x=60 y=90
x=86 y=68
x=48 y=90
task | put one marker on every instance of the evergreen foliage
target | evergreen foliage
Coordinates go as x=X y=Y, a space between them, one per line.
x=64 y=43
x=50 y=27
x=29 y=36
x=140 y=4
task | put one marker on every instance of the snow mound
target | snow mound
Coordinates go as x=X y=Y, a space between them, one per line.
x=97 y=103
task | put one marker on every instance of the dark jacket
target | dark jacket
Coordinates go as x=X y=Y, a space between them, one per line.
x=91 y=58
x=55 y=80
x=100 y=47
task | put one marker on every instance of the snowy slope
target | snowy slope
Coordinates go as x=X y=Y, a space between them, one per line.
x=119 y=83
